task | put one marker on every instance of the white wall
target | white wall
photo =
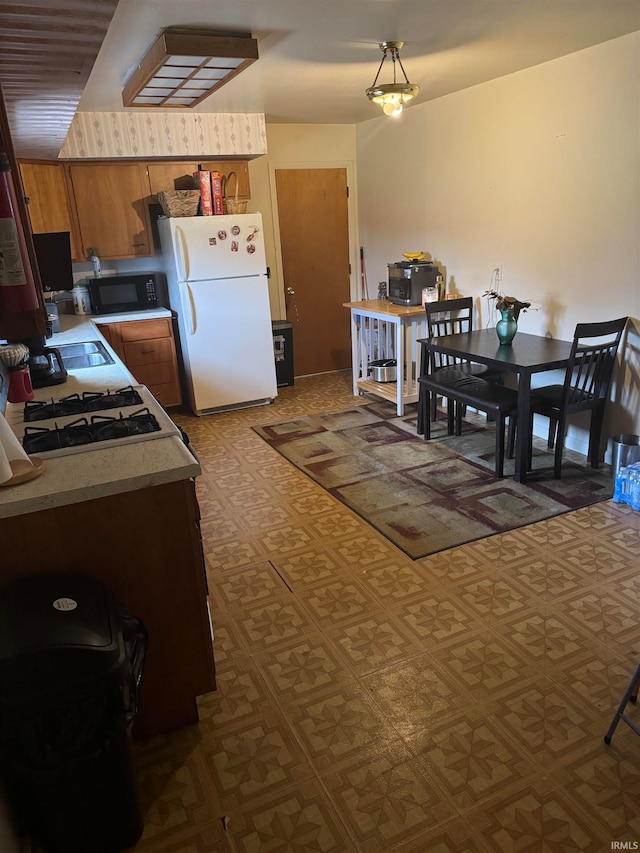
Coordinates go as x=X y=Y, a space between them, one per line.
x=537 y=173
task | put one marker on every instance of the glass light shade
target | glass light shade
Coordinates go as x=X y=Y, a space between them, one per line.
x=392 y=93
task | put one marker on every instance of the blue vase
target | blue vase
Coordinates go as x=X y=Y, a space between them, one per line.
x=506 y=327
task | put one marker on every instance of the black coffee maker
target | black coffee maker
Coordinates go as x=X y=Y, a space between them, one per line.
x=45 y=363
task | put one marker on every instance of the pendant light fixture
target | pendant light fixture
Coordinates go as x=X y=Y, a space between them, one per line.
x=392 y=96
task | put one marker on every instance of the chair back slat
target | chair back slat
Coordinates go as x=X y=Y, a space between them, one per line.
x=448 y=317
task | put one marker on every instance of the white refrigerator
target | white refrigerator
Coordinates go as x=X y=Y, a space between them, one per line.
x=217 y=277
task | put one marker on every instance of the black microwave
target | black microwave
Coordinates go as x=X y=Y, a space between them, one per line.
x=114 y=294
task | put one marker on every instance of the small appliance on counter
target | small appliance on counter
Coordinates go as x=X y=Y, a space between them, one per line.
x=45 y=363
x=116 y=294
x=407 y=280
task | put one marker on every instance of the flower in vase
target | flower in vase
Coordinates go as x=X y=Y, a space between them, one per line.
x=508 y=303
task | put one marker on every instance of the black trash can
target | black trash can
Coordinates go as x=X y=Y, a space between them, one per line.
x=71 y=661
x=282 y=332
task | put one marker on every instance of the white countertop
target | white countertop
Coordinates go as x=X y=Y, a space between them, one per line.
x=98 y=473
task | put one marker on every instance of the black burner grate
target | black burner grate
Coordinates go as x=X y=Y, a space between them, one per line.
x=85 y=431
x=75 y=404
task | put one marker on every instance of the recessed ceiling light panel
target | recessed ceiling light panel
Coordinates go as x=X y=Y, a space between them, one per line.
x=184 y=66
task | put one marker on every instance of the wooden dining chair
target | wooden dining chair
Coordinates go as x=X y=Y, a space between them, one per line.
x=497 y=401
x=447 y=317
x=585 y=387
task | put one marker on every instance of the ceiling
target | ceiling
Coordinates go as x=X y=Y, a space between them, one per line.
x=316 y=56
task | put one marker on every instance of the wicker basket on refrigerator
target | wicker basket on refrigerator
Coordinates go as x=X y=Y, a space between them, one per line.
x=179 y=202
x=233 y=205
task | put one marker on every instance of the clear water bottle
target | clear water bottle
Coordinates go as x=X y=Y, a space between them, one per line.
x=620 y=490
x=95 y=263
x=634 y=486
x=627 y=486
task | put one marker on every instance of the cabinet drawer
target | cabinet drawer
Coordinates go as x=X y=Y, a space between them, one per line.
x=141 y=330
x=155 y=374
x=153 y=351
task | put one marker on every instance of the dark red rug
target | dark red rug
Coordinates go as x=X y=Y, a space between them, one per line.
x=428 y=496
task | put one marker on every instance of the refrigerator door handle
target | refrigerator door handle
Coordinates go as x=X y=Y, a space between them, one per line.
x=192 y=307
x=182 y=255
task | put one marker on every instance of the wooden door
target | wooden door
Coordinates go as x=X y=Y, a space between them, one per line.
x=314 y=239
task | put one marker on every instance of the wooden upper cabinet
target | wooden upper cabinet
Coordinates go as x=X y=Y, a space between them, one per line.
x=106 y=204
x=111 y=209
x=178 y=175
x=48 y=202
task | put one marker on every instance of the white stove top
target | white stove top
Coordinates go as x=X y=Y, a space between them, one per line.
x=15 y=419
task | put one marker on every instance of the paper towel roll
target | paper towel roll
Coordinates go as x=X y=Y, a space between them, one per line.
x=12 y=455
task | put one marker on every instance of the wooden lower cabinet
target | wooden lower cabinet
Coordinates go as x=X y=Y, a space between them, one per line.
x=148 y=349
x=145 y=547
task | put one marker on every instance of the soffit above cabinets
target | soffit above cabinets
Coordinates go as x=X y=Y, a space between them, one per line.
x=47 y=51
x=154 y=133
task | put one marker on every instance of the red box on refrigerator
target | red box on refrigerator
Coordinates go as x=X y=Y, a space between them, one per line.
x=216 y=192
x=202 y=182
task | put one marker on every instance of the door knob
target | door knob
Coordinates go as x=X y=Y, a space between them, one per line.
x=291 y=291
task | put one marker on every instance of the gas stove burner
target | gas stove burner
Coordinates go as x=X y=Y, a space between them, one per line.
x=134 y=424
x=41 y=439
x=74 y=404
x=95 y=400
x=83 y=431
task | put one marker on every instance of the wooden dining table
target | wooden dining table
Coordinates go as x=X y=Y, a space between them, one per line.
x=525 y=356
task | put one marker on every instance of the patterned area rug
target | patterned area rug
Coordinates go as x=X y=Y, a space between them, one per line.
x=428 y=496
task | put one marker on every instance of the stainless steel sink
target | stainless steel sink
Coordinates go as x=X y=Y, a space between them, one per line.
x=84 y=354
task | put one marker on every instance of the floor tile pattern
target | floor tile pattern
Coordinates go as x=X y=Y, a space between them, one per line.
x=369 y=703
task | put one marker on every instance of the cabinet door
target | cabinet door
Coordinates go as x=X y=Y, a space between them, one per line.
x=48 y=201
x=164 y=177
x=148 y=349
x=173 y=175
x=111 y=333
x=110 y=201
x=241 y=170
